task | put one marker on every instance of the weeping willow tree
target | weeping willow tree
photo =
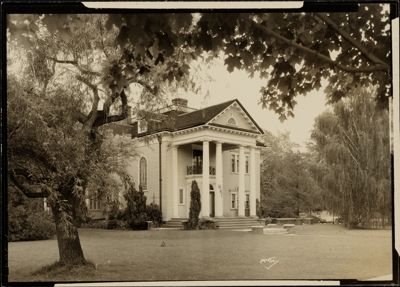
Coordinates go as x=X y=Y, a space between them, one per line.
x=352 y=143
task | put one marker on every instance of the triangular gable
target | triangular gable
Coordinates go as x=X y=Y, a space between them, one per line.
x=236 y=117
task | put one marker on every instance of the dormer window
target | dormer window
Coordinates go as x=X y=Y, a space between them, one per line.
x=142 y=126
x=231 y=121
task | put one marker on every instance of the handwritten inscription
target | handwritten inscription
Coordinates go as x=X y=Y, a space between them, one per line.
x=269 y=262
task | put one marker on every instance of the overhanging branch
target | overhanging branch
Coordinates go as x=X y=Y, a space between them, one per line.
x=322 y=57
x=370 y=56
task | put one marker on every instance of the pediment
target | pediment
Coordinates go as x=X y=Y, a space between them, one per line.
x=236 y=117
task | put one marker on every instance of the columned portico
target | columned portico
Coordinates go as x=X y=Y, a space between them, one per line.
x=205 y=191
x=218 y=180
x=252 y=181
x=241 y=189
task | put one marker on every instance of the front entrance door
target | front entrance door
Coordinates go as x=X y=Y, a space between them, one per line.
x=247 y=206
x=212 y=204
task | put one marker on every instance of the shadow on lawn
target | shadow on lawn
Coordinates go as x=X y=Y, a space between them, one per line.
x=60 y=270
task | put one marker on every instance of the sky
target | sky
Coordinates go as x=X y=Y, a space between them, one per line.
x=219 y=85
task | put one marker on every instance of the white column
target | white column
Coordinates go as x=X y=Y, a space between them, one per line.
x=175 y=213
x=241 y=196
x=252 y=181
x=205 y=191
x=218 y=181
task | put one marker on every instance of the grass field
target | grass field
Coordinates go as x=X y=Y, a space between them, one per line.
x=320 y=251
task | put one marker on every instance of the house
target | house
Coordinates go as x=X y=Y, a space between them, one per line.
x=216 y=146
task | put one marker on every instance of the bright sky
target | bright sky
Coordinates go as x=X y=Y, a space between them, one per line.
x=226 y=86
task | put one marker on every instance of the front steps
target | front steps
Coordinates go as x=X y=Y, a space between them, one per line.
x=174 y=223
x=221 y=222
x=237 y=222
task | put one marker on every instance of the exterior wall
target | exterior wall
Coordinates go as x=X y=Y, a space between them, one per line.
x=150 y=152
x=258 y=174
x=184 y=159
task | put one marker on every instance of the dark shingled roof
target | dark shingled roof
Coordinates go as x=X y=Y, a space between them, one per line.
x=188 y=120
x=200 y=117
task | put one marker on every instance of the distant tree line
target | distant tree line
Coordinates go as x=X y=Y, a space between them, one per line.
x=288 y=186
x=346 y=169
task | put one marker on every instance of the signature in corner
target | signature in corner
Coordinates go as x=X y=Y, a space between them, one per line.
x=269 y=262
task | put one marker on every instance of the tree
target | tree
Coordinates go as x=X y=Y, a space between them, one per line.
x=136 y=207
x=195 y=206
x=287 y=184
x=352 y=142
x=59 y=148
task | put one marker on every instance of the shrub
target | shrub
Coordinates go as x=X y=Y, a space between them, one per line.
x=135 y=208
x=115 y=224
x=207 y=224
x=195 y=206
x=26 y=218
x=154 y=214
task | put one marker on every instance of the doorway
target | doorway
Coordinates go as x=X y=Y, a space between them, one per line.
x=247 y=205
x=212 y=201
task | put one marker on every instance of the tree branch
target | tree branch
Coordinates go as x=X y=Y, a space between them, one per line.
x=93 y=112
x=75 y=63
x=25 y=189
x=103 y=118
x=369 y=69
x=28 y=152
x=79 y=116
x=142 y=83
x=352 y=41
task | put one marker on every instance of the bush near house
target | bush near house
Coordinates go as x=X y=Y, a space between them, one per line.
x=195 y=207
x=136 y=208
x=26 y=218
x=154 y=214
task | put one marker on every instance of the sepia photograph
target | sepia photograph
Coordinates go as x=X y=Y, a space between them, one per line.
x=201 y=145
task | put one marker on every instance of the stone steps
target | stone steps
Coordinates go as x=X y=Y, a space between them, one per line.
x=223 y=222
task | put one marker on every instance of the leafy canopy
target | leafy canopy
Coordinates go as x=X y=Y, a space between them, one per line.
x=293 y=52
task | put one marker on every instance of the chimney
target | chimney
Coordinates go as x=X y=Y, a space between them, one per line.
x=179 y=102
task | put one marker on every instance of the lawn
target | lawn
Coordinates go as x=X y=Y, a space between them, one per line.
x=320 y=251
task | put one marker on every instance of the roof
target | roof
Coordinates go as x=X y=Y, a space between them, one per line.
x=200 y=117
x=192 y=119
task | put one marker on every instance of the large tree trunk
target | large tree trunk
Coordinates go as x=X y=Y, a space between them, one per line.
x=69 y=245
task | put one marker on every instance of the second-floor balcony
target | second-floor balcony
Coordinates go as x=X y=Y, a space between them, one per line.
x=198 y=169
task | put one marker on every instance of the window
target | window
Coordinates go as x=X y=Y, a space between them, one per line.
x=233 y=200
x=142 y=126
x=181 y=196
x=94 y=201
x=231 y=121
x=143 y=173
x=247 y=164
x=235 y=163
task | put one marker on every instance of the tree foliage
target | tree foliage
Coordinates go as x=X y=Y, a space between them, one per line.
x=293 y=52
x=352 y=143
x=195 y=206
x=136 y=215
x=287 y=183
x=27 y=219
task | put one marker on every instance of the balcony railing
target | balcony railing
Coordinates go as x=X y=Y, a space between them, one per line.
x=198 y=169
